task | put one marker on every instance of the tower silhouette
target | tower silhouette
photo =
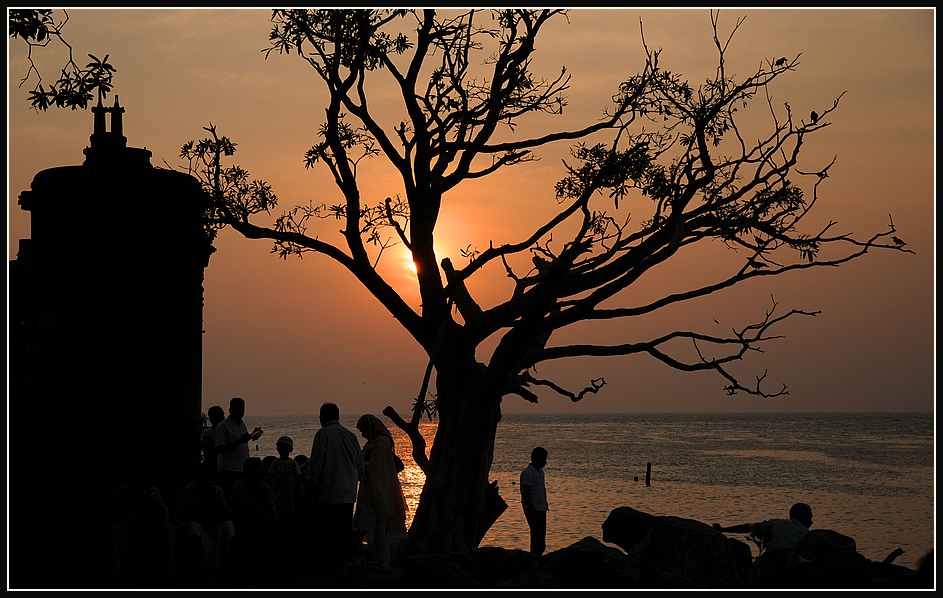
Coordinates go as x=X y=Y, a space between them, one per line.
x=106 y=316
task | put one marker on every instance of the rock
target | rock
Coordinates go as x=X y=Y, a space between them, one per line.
x=502 y=568
x=824 y=545
x=678 y=548
x=457 y=570
x=625 y=526
x=590 y=564
x=898 y=577
x=826 y=560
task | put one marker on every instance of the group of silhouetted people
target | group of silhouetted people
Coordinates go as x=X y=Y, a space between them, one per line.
x=302 y=516
x=307 y=516
x=244 y=516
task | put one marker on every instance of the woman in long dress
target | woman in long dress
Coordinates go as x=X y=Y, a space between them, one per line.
x=381 y=507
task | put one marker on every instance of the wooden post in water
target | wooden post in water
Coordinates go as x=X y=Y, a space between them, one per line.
x=648 y=474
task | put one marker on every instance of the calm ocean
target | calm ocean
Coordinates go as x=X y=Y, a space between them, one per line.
x=866 y=475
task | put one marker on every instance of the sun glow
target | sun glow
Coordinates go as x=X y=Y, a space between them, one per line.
x=408 y=262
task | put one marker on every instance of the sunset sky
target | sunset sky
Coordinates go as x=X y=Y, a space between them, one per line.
x=289 y=335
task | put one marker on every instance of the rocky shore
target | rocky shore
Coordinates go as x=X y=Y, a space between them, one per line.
x=654 y=552
x=637 y=551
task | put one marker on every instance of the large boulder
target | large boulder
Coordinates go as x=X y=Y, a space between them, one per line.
x=587 y=564
x=626 y=526
x=677 y=547
x=823 y=546
x=590 y=564
x=457 y=570
x=827 y=560
x=504 y=568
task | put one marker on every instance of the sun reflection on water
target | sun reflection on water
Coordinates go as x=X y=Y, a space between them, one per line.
x=412 y=477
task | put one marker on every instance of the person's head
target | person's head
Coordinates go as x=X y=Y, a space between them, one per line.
x=802 y=513
x=216 y=415
x=237 y=408
x=370 y=427
x=538 y=457
x=329 y=413
x=284 y=446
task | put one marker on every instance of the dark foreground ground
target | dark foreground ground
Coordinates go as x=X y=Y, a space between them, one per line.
x=638 y=551
x=587 y=564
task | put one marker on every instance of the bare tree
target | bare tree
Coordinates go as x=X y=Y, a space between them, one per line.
x=458 y=126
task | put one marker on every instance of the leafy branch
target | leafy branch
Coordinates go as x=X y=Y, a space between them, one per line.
x=233 y=196
x=76 y=86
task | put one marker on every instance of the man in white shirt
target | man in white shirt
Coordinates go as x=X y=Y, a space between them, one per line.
x=333 y=471
x=232 y=445
x=534 y=500
x=777 y=533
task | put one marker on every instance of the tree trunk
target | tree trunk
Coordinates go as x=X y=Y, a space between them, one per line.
x=450 y=507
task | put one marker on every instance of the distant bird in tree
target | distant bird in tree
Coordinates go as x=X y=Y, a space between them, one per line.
x=781 y=62
x=756 y=264
x=815 y=117
x=898 y=241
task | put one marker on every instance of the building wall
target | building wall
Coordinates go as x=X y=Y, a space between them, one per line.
x=106 y=316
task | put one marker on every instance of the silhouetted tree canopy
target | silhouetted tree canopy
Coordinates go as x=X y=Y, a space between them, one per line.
x=464 y=79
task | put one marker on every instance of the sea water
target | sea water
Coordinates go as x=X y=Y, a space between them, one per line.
x=869 y=476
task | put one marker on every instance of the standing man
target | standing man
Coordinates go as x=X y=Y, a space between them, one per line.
x=333 y=470
x=232 y=445
x=208 y=438
x=534 y=500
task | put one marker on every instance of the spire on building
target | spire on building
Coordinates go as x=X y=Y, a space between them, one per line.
x=111 y=147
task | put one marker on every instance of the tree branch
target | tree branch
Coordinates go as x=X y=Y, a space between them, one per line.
x=745 y=340
x=525 y=379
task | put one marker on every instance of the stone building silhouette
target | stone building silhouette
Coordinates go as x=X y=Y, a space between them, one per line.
x=105 y=333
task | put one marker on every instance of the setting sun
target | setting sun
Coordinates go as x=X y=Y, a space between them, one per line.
x=408 y=262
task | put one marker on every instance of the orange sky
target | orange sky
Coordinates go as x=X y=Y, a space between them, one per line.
x=289 y=335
